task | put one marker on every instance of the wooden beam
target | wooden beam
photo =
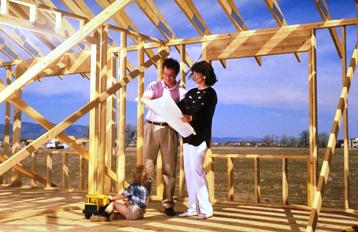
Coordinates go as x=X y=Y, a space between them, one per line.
x=196 y=19
x=278 y=42
x=325 y=169
x=16 y=180
x=154 y=15
x=308 y=26
x=312 y=91
x=326 y=15
x=36 y=116
x=233 y=14
x=345 y=124
x=140 y=106
x=62 y=48
x=121 y=125
x=103 y=71
x=279 y=17
x=59 y=128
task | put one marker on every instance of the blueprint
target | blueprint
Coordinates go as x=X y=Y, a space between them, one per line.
x=166 y=108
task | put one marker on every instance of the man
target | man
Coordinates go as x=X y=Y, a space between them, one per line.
x=159 y=136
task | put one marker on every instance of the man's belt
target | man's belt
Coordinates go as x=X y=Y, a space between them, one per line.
x=158 y=123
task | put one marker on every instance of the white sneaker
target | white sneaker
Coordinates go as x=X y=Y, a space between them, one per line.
x=186 y=214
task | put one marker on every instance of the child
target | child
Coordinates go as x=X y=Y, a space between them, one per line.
x=136 y=194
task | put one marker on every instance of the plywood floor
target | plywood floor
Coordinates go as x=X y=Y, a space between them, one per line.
x=32 y=210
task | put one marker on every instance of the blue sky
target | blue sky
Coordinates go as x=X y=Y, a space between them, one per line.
x=253 y=100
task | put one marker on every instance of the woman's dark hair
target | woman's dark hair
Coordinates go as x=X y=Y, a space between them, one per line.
x=207 y=70
x=170 y=63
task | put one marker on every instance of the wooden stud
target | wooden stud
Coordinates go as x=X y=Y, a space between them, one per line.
x=33 y=168
x=4 y=7
x=6 y=144
x=82 y=173
x=180 y=151
x=93 y=128
x=323 y=178
x=49 y=166
x=230 y=179
x=16 y=140
x=160 y=181
x=312 y=85
x=257 y=180
x=345 y=124
x=111 y=114
x=121 y=126
x=102 y=65
x=284 y=181
x=140 y=106
x=209 y=174
x=65 y=170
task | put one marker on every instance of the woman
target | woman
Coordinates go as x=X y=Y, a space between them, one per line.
x=198 y=108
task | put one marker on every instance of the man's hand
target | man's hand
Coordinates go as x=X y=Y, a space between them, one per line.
x=187 y=118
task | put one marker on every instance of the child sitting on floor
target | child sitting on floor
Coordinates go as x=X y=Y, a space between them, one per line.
x=135 y=196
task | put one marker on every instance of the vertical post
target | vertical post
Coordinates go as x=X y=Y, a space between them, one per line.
x=16 y=140
x=230 y=177
x=93 y=127
x=103 y=38
x=209 y=174
x=182 y=52
x=140 y=106
x=284 y=182
x=312 y=83
x=49 y=170
x=7 y=125
x=111 y=115
x=160 y=182
x=33 y=168
x=4 y=7
x=121 y=130
x=309 y=182
x=65 y=170
x=82 y=173
x=345 y=124
x=257 y=180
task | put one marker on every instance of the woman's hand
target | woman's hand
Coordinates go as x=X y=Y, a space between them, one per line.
x=187 y=118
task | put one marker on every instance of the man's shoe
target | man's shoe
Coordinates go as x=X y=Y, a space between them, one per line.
x=170 y=212
x=202 y=216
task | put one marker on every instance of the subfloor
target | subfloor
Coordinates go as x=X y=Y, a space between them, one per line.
x=33 y=210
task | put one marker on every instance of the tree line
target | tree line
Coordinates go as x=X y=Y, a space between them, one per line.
x=290 y=141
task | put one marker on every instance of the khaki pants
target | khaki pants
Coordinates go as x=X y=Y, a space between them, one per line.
x=164 y=139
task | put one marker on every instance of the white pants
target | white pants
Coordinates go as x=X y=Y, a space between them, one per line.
x=195 y=180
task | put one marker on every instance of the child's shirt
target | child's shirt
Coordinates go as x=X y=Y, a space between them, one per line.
x=137 y=194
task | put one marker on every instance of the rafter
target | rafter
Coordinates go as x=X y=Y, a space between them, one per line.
x=74 y=39
x=232 y=12
x=7 y=50
x=154 y=15
x=326 y=15
x=279 y=17
x=196 y=19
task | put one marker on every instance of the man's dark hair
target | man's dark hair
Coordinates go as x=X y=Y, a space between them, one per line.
x=170 y=63
x=207 y=70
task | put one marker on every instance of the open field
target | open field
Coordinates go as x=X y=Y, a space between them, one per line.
x=270 y=178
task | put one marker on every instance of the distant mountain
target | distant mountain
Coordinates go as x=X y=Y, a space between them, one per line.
x=31 y=130
x=235 y=139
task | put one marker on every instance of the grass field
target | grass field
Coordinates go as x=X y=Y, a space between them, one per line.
x=270 y=178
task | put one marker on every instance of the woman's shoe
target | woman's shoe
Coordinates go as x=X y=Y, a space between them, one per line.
x=202 y=216
x=186 y=214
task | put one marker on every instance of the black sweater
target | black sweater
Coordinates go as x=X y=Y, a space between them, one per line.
x=200 y=104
